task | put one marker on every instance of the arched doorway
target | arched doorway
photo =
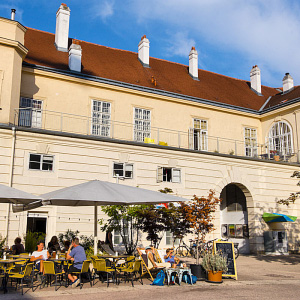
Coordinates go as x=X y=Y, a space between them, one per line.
x=234 y=216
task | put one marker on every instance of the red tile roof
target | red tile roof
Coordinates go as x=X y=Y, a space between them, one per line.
x=124 y=66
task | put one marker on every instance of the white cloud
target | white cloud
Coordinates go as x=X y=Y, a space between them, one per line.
x=265 y=32
x=104 y=9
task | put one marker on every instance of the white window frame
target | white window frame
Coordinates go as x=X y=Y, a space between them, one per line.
x=30 y=113
x=198 y=137
x=175 y=175
x=42 y=161
x=250 y=142
x=126 y=167
x=280 y=138
x=101 y=120
x=118 y=235
x=169 y=238
x=141 y=124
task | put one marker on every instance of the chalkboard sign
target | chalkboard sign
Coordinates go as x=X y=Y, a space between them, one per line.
x=227 y=250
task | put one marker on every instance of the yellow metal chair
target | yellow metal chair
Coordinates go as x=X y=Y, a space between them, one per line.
x=84 y=270
x=49 y=271
x=101 y=269
x=132 y=270
x=26 y=274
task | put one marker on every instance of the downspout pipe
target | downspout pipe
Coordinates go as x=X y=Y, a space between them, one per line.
x=11 y=174
x=297 y=138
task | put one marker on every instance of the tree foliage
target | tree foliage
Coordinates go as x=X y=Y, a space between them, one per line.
x=293 y=196
x=199 y=213
x=125 y=220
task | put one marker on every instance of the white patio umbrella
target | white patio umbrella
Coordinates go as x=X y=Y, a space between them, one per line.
x=96 y=193
x=15 y=196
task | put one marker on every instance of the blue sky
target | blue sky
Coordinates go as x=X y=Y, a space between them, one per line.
x=230 y=35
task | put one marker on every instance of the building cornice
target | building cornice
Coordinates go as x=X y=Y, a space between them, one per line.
x=138 y=144
x=21 y=49
x=136 y=89
x=19 y=25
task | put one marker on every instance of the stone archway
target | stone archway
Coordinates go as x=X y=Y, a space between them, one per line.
x=247 y=190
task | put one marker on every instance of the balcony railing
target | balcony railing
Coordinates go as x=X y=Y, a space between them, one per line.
x=65 y=122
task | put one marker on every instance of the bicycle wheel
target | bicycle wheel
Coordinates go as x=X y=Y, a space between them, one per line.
x=182 y=251
x=236 y=252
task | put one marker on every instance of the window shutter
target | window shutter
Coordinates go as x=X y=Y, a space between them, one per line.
x=159 y=177
x=176 y=175
x=191 y=138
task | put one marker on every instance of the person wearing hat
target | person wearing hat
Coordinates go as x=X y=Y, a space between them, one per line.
x=151 y=260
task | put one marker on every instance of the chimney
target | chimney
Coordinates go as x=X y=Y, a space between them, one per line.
x=62 y=28
x=255 y=80
x=287 y=82
x=193 y=63
x=75 y=54
x=13 y=13
x=143 y=55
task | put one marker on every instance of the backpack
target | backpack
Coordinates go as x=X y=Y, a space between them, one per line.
x=187 y=279
x=159 y=279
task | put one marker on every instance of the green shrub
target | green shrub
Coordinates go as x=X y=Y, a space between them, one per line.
x=31 y=239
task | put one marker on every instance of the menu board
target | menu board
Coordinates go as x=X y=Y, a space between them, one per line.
x=227 y=250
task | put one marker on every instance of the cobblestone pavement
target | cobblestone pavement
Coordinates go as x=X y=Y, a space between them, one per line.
x=259 y=277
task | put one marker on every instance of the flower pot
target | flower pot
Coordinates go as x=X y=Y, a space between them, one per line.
x=215 y=276
x=198 y=271
x=276 y=157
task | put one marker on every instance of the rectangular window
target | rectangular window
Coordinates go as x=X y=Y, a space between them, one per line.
x=30 y=113
x=198 y=135
x=169 y=239
x=42 y=162
x=101 y=118
x=142 y=124
x=117 y=238
x=123 y=170
x=168 y=175
x=250 y=136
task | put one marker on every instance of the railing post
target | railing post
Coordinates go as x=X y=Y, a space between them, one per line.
x=218 y=145
x=157 y=136
x=179 y=141
x=235 y=147
x=112 y=129
x=61 y=121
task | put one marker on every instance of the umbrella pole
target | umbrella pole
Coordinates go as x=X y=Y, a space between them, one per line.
x=95 y=229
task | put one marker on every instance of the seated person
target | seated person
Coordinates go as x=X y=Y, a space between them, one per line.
x=17 y=248
x=151 y=260
x=66 y=246
x=40 y=254
x=75 y=253
x=170 y=258
x=53 y=245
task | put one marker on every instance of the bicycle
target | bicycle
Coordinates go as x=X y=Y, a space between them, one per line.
x=235 y=247
x=183 y=250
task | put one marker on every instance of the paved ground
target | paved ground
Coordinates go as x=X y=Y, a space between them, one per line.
x=259 y=277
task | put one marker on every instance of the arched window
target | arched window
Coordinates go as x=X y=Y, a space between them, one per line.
x=280 y=138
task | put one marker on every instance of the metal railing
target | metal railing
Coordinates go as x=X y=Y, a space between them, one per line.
x=71 y=123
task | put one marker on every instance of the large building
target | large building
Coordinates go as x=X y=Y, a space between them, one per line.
x=73 y=111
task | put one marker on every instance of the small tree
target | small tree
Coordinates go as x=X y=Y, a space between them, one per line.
x=152 y=224
x=293 y=196
x=199 y=213
x=125 y=220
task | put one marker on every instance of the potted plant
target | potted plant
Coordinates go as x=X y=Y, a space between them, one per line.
x=214 y=264
x=199 y=213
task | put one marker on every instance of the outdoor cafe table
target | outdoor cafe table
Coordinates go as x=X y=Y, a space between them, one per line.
x=115 y=258
x=19 y=256
x=6 y=262
x=61 y=261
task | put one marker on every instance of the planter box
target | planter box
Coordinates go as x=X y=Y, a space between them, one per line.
x=198 y=271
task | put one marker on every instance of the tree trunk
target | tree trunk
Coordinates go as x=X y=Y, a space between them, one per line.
x=197 y=250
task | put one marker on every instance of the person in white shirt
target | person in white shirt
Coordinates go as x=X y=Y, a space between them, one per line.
x=41 y=255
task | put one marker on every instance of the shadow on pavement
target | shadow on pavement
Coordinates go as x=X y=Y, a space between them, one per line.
x=292 y=259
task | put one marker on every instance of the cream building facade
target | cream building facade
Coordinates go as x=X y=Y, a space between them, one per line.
x=83 y=112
